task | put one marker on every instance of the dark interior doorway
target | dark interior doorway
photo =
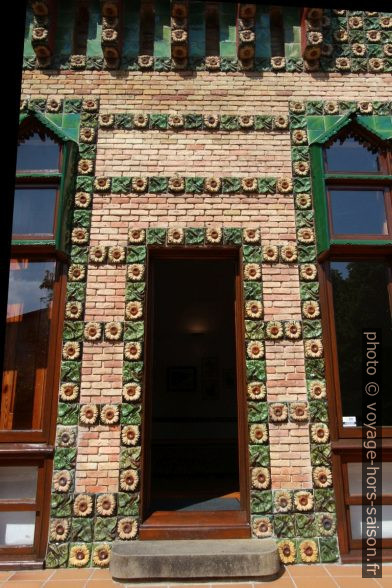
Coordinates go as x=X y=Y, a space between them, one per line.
x=194 y=428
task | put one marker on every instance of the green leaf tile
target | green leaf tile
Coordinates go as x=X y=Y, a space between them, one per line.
x=309 y=290
x=79 y=254
x=130 y=458
x=231 y=185
x=73 y=330
x=133 y=330
x=121 y=185
x=133 y=371
x=261 y=501
x=131 y=414
x=311 y=329
x=259 y=456
x=320 y=455
x=306 y=253
x=328 y=549
x=136 y=254
x=314 y=369
x=284 y=525
x=123 y=121
x=156 y=236
x=253 y=291
x=263 y=122
x=324 y=500
x=65 y=458
x=68 y=414
x=194 y=236
x=255 y=370
x=84 y=184
x=257 y=412
x=61 y=505
x=232 y=236
x=301 y=185
x=194 y=185
x=158 y=121
x=318 y=411
x=135 y=291
x=56 y=555
x=81 y=530
x=229 y=122
x=193 y=121
x=105 y=528
x=128 y=504
x=254 y=330
x=266 y=185
x=72 y=105
x=70 y=371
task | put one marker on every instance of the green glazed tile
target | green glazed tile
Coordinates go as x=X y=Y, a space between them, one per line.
x=324 y=500
x=254 y=330
x=73 y=330
x=156 y=236
x=311 y=329
x=157 y=184
x=232 y=236
x=231 y=185
x=121 y=185
x=315 y=369
x=70 y=371
x=128 y=504
x=320 y=455
x=61 y=505
x=123 y=121
x=259 y=456
x=81 y=530
x=284 y=525
x=261 y=501
x=135 y=291
x=194 y=185
x=252 y=291
x=255 y=370
x=133 y=330
x=136 y=253
x=257 y=412
x=263 y=122
x=251 y=253
x=65 y=458
x=194 y=236
x=158 y=121
x=68 y=414
x=133 y=371
x=105 y=528
x=131 y=414
x=318 y=411
x=266 y=185
x=57 y=555
x=328 y=549
x=193 y=121
x=130 y=458
x=315 y=123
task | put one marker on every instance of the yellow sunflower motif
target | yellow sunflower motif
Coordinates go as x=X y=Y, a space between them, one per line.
x=286 y=550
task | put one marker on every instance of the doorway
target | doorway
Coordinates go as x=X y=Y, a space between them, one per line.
x=194 y=444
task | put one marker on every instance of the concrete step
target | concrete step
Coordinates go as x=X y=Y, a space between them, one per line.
x=197 y=558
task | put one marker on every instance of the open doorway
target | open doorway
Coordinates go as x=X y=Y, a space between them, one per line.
x=194 y=447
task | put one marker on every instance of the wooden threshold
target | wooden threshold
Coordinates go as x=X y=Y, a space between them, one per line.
x=196 y=525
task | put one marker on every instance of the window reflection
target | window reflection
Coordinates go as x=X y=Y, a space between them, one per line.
x=360 y=297
x=358 y=211
x=34 y=210
x=38 y=153
x=351 y=156
x=29 y=309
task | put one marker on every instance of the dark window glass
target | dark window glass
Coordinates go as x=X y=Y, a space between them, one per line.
x=29 y=310
x=358 y=211
x=34 y=211
x=351 y=156
x=361 y=301
x=38 y=154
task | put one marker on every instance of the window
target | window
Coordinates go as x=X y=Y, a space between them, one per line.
x=354 y=240
x=33 y=326
x=358 y=189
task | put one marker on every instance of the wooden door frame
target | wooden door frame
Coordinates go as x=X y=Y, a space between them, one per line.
x=346 y=443
x=213 y=524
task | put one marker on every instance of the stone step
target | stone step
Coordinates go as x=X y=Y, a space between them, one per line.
x=189 y=559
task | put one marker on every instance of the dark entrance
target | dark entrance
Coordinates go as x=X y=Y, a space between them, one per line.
x=191 y=446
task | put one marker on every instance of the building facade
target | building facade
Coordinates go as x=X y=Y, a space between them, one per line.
x=202 y=231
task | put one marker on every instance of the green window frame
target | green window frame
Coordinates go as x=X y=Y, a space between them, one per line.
x=368 y=128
